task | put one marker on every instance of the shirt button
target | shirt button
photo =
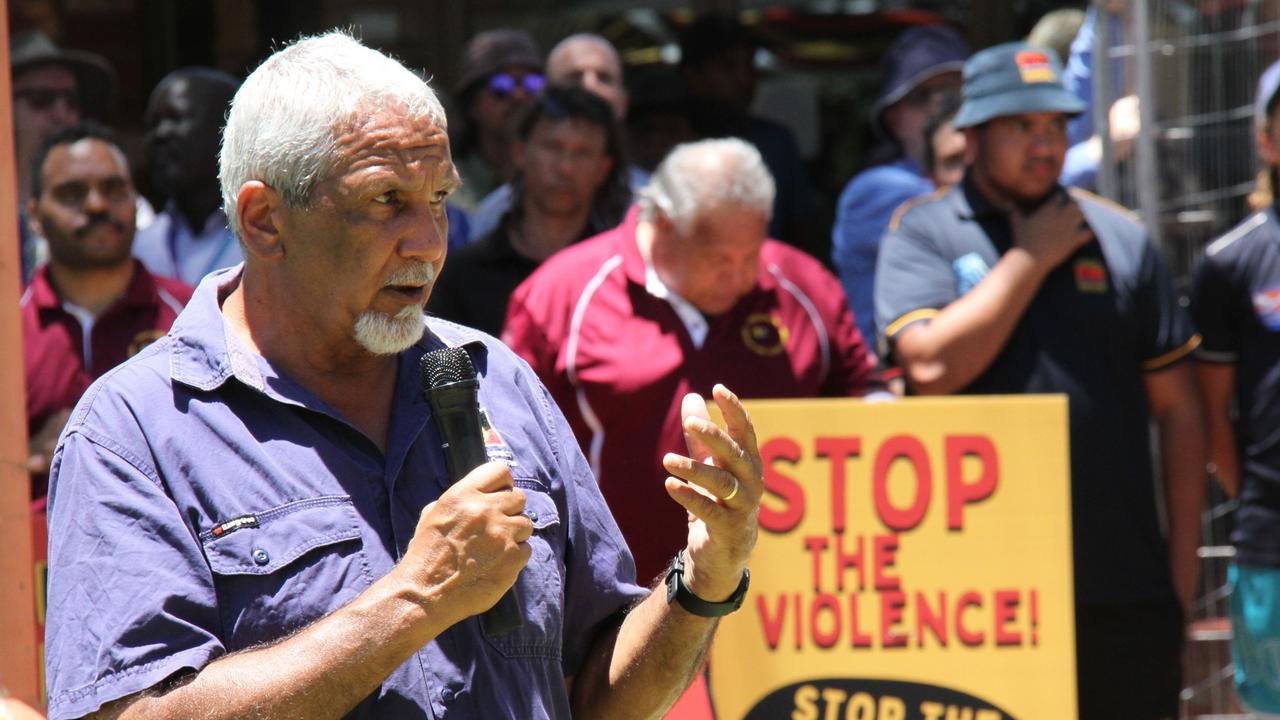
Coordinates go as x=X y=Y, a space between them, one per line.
x=261 y=557
x=447 y=696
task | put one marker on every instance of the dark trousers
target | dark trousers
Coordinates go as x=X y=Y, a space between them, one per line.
x=1129 y=661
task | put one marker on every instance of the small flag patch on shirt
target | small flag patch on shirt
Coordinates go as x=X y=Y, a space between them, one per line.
x=244 y=521
x=495 y=447
x=1091 y=276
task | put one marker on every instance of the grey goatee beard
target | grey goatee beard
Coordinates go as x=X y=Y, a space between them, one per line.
x=383 y=334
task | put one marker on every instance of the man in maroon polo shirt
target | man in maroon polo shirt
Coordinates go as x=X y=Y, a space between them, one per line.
x=92 y=306
x=686 y=292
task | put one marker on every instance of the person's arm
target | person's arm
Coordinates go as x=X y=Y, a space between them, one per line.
x=1217 y=383
x=959 y=343
x=468 y=548
x=1175 y=407
x=640 y=670
x=44 y=440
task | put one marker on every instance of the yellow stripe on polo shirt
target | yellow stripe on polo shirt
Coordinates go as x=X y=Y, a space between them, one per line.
x=922 y=314
x=1169 y=358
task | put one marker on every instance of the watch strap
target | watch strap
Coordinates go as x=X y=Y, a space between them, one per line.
x=677 y=591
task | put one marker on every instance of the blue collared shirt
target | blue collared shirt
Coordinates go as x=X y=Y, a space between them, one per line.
x=204 y=503
x=862 y=216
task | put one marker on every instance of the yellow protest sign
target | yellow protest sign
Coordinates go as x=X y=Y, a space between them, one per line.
x=914 y=562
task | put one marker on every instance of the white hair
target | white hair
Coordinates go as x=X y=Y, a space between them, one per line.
x=707 y=174
x=283 y=122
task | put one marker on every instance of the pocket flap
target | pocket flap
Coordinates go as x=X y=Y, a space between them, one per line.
x=540 y=508
x=262 y=543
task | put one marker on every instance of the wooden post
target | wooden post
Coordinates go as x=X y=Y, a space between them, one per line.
x=19 y=663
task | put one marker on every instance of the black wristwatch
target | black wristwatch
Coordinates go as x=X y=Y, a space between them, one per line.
x=677 y=591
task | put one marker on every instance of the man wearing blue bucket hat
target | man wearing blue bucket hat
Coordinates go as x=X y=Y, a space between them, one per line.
x=1008 y=283
x=1236 y=303
x=921 y=66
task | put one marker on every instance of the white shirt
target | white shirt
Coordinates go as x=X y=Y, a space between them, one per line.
x=168 y=246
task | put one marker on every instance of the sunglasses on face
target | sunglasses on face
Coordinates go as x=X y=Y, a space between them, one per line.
x=44 y=98
x=505 y=84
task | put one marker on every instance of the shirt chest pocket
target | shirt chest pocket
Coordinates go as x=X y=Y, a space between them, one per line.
x=540 y=586
x=279 y=569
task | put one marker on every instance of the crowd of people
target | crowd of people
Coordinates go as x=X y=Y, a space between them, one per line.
x=249 y=509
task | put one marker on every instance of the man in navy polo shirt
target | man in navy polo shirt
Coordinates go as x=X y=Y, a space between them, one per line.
x=254 y=517
x=685 y=292
x=92 y=305
x=1236 y=304
x=1007 y=283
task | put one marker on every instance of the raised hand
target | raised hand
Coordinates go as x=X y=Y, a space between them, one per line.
x=1052 y=232
x=720 y=484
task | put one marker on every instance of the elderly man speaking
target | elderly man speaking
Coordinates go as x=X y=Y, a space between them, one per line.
x=253 y=517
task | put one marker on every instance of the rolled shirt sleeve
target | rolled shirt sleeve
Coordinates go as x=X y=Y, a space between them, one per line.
x=131 y=599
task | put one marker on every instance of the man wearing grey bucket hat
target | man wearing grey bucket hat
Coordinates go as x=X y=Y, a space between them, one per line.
x=1009 y=283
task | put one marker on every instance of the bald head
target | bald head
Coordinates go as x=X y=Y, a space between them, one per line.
x=591 y=62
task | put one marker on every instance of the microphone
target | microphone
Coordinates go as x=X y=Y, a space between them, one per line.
x=450 y=386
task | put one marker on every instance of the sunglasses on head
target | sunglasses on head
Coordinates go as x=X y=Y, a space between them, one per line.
x=505 y=84
x=44 y=98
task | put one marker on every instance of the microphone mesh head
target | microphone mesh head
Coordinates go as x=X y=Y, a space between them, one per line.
x=446 y=365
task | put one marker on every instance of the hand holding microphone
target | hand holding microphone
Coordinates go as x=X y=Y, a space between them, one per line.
x=487 y=506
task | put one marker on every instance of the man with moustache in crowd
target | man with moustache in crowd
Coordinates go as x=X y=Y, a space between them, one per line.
x=255 y=516
x=92 y=305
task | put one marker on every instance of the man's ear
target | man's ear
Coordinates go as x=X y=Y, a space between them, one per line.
x=1267 y=150
x=258 y=208
x=970 y=145
x=662 y=224
x=624 y=104
x=33 y=218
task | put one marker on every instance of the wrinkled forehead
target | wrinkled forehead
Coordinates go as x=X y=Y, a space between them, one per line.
x=390 y=134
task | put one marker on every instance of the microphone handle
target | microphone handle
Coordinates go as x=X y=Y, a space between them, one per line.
x=458 y=417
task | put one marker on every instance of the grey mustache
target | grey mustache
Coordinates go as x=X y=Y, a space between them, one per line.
x=415 y=274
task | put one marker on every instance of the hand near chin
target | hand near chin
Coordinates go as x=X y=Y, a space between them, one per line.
x=720 y=484
x=1052 y=232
